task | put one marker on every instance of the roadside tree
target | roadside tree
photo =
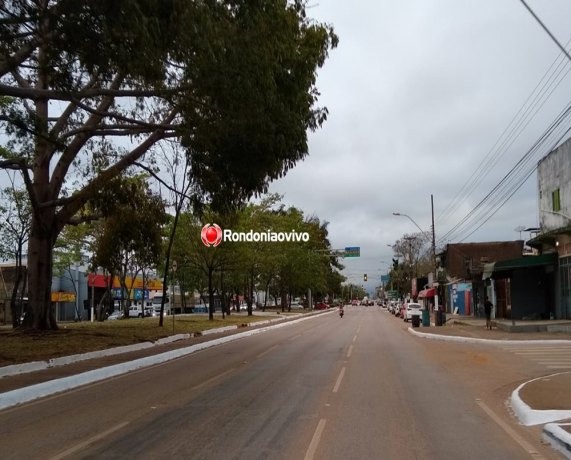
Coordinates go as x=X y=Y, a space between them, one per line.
x=14 y=233
x=93 y=86
x=130 y=239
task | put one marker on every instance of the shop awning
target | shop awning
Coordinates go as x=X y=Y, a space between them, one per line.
x=426 y=293
x=548 y=238
x=521 y=262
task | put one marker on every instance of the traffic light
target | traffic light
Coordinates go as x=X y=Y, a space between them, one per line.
x=365 y=277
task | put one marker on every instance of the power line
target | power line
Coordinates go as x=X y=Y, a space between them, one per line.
x=511 y=179
x=546 y=30
x=542 y=92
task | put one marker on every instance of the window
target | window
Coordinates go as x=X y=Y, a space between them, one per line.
x=556 y=199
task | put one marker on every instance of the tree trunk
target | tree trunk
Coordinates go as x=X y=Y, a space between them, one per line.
x=40 y=270
x=210 y=295
x=16 y=312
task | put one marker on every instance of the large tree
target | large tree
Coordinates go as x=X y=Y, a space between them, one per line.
x=94 y=85
x=14 y=233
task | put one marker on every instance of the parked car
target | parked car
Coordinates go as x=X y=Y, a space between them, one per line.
x=411 y=309
x=321 y=306
x=200 y=309
x=137 y=311
x=296 y=306
x=117 y=314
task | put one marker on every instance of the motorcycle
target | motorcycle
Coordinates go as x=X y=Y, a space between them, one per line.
x=341 y=313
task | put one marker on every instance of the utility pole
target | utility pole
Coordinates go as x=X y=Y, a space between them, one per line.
x=435 y=277
x=433 y=235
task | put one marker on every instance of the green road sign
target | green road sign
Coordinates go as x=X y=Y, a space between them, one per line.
x=393 y=294
x=354 y=251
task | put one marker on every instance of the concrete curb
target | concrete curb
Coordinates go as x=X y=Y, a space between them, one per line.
x=530 y=417
x=40 y=390
x=558 y=438
x=456 y=338
x=24 y=368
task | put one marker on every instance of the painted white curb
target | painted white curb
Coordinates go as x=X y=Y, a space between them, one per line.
x=558 y=438
x=528 y=416
x=456 y=338
x=40 y=390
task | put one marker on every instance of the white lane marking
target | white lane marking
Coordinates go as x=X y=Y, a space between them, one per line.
x=212 y=379
x=350 y=351
x=87 y=442
x=354 y=339
x=541 y=352
x=315 y=440
x=338 y=382
x=563 y=366
x=510 y=431
x=267 y=351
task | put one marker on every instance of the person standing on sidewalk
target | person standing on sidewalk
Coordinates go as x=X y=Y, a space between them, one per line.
x=488 y=311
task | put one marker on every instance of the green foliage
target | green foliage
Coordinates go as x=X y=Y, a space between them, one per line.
x=129 y=240
x=15 y=221
x=233 y=79
x=240 y=267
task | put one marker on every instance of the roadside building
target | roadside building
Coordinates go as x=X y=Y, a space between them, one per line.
x=554 y=237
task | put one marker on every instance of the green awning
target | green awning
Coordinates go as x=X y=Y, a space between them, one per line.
x=525 y=262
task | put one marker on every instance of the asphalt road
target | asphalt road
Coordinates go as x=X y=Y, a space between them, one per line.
x=360 y=387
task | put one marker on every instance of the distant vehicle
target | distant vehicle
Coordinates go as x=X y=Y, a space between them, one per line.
x=296 y=305
x=117 y=314
x=200 y=309
x=412 y=309
x=355 y=302
x=157 y=305
x=393 y=306
x=138 y=311
x=321 y=306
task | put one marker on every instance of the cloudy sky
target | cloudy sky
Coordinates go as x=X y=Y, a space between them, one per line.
x=440 y=97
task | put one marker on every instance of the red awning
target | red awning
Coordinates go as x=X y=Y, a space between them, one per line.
x=426 y=293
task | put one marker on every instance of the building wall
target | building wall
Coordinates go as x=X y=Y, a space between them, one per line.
x=465 y=259
x=460 y=295
x=530 y=289
x=73 y=280
x=554 y=172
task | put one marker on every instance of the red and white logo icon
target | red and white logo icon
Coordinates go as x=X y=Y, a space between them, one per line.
x=211 y=235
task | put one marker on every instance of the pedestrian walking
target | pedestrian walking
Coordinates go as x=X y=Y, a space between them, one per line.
x=488 y=311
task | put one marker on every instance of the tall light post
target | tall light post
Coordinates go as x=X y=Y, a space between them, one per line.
x=429 y=238
x=433 y=239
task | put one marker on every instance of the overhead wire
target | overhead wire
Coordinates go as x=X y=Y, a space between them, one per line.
x=511 y=179
x=512 y=182
x=509 y=133
x=548 y=83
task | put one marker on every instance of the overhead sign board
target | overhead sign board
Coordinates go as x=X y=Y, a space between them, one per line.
x=354 y=251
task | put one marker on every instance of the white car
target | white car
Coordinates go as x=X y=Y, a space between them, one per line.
x=412 y=309
x=136 y=311
x=117 y=314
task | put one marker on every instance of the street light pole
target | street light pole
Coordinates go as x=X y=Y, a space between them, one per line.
x=431 y=238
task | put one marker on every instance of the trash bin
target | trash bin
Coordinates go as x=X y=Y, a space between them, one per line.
x=438 y=319
x=415 y=320
x=425 y=318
